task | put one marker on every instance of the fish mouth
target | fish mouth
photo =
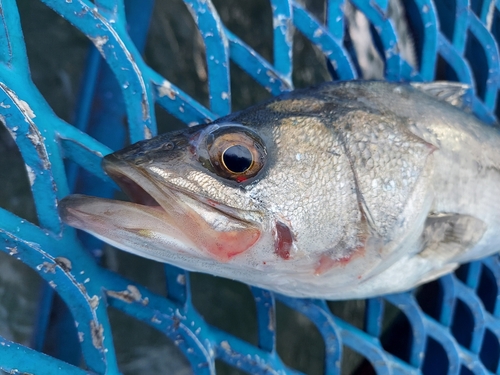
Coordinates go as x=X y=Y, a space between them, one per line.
x=161 y=218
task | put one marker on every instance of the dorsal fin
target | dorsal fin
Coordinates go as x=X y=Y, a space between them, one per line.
x=454 y=93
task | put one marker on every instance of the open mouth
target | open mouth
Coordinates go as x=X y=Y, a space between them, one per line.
x=160 y=214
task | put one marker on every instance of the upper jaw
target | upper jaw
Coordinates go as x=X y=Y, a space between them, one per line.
x=148 y=185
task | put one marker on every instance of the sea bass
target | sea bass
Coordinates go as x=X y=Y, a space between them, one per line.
x=345 y=190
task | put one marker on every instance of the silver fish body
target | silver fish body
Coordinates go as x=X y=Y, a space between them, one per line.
x=345 y=190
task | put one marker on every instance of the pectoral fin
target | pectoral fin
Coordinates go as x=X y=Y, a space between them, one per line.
x=447 y=236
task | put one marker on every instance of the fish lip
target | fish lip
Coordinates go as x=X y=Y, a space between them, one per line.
x=117 y=168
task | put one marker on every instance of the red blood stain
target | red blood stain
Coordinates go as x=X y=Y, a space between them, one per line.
x=283 y=241
x=240 y=179
x=326 y=262
x=225 y=245
x=212 y=203
x=222 y=246
x=193 y=140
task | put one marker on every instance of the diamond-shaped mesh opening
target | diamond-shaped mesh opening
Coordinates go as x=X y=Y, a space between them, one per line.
x=397 y=337
x=301 y=348
x=477 y=6
x=351 y=311
x=465 y=371
x=476 y=57
x=222 y=368
x=16 y=194
x=19 y=294
x=138 y=269
x=244 y=89
x=353 y=363
x=61 y=338
x=252 y=21
x=226 y=304
x=487 y=289
x=463 y=323
x=446 y=11
x=435 y=359
x=416 y=32
x=147 y=351
x=57 y=54
x=167 y=122
x=444 y=71
x=490 y=351
x=462 y=272
x=311 y=68
x=430 y=298
x=174 y=48
x=367 y=54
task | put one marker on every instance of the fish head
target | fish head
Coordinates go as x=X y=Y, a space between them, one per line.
x=252 y=195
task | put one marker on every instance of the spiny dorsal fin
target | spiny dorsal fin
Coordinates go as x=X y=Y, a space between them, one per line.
x=454 y=93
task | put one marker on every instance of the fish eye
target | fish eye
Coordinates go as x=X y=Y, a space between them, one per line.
x=237 y=159
x=236 y=154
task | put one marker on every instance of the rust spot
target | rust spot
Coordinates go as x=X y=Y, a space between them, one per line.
x=283 y=240
x=176 y=322
x=130 y=295
x=96 y=331
x=64 y=263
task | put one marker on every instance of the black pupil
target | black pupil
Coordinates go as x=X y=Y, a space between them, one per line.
x=237 y=158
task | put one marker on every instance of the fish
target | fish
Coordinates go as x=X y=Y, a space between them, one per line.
x=345 y=190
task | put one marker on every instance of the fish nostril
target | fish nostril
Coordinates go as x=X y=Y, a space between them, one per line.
x=168 y=146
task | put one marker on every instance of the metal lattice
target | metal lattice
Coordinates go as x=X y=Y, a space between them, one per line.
x=454 y=40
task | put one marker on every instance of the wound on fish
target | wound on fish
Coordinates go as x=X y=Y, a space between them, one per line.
x=283 y=240
x=227 y=245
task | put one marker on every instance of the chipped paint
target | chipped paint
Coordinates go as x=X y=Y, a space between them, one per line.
x=131 y=294
x=318 y=33
x=3 y=105
x=181 y=279
x=47 y=267
x=24 y=106
x=12 y=250
x=93 y=302
x=225 y=345
x=99 y=42
x=165 y=89
x=52 y=284
x=31 y=174
x=80 y=336
x=147 y=133
x=96 y=331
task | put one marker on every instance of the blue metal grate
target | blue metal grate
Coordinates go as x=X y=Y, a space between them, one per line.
x=452 y=325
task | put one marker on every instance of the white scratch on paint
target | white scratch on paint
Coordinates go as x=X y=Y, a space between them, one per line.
x=31 y=174
x=99 y=42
